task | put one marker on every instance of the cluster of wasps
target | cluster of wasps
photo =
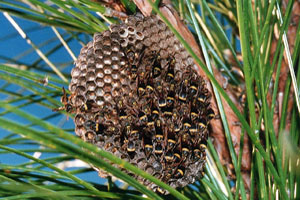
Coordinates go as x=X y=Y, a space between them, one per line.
x=168 y=115
x=163 y=121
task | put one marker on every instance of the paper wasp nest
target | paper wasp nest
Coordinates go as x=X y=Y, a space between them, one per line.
x=136 y=94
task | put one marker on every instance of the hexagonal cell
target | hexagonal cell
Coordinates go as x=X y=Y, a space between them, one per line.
x=80 y=90
x=79 y=100
x=99 y=92
x=80 y=130
x=99 y=82
x=107 y=88
x=90 y=85
x=107 y=69
x=123 y=33
x=90 y=76
x=100 y=101
x=79 y=119
x=75 y=72
x=107 y=78
x=90 y=95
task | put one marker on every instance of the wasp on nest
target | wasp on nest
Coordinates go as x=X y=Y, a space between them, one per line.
x=136 y=94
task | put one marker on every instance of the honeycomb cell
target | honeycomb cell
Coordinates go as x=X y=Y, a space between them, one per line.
x=115 y=57
x=124 y=42
x=123 y=33
x=99 y=53
x=75 y=72
x=99 y=63
x=90 y=95
x=115 y=47
x=82 y=66
x=79 y=119
x=106 y=41
x=107 y=69
x=90 y=76
x=80 y=130
x=107 y=79
x=99 y=73
x=90 y=86
x=99 y=82
x=89 y=135
x=106 y=51
x=116 y=93
x=99 y=91
x=73 y=87
x=131 y=30
x=100 y=101
x=115 y=65
x=107 y=88
x=79 y=100
x=80 y=90
x=116 y=84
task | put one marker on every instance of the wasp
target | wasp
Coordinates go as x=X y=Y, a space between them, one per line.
x=97 y=127
x=202 y=148
x=167 y=174
x=179 y=172
x=134 y=59
x=147 y=108
x=156 y=66
x=202 y=124
x=141 y=87
x=150 y=86
x=168 y=111
x=197 y=154
x=177 y=157
x=89 y=124
x=130 y=147
x=155 y=113
x=134 y=132
x=182 y=93
x=122 y=114
x=186 y=124
x=185 y=152
x=68 y=107
x=131 y=55
x=201 y=98
x=158 y=150
x=170 y=98
x=194 y=113
x=169 y=156
x=150 y=123
x=193 y=129
x=170 y=72
x=148 y=147
x=171 y=140
x=176 y=128
x=193 y=89
x=148 y=150
x=185 y=143
x=158 y=86
x=210 y=113
x=143 y=117
x=162 y=103
x=158 y=131
x=90 y=105
x=160 y=190
x=134 y=70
